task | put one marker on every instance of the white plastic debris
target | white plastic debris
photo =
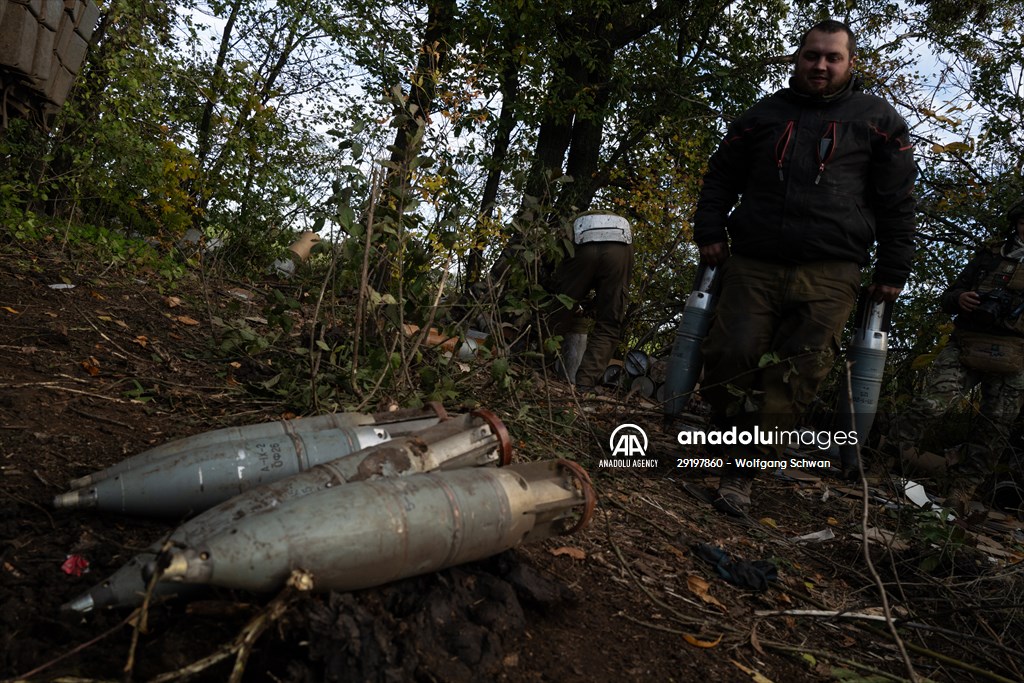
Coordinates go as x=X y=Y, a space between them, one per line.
x=916 y=494
x=825 y=534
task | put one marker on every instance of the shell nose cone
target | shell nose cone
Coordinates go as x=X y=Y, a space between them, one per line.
x=79 y=498
x=66 y=500
x=83 y=603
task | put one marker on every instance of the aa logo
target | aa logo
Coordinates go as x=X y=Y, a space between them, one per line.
x=628 y=441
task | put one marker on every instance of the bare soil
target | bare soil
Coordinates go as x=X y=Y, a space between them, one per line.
x=110 y=367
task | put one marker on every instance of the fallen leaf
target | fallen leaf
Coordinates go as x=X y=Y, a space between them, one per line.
x=98 y=296
x=172 y=301
x=756 y=676
x=696 y=642
x=699 y=587
x=91 y=365
x=755 y=642
x=10 y=310
x=769 y=522
x=107 y=319
x=674 y=550
x=185 y=320
x=141 y=340
x=574 y=553
x=832 y=521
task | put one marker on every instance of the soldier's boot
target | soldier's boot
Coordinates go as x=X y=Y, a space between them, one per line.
x=734 y=496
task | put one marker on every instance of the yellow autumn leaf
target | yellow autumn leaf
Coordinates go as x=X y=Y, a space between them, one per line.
x=574 y=553
x=769 y=522
x=697 y=642
x=91 y=365
x=699 y=587
x=951 y=147
x=10 y=310
x=755 y=675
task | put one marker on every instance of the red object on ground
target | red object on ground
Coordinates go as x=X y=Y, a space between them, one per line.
x=75 y=565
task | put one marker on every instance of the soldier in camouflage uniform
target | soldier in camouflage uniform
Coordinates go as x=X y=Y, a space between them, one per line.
x=986 y=349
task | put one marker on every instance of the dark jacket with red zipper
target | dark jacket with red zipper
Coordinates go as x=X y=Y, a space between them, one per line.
x=818 y=179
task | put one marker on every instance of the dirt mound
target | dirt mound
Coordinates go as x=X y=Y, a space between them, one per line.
x=459 y=625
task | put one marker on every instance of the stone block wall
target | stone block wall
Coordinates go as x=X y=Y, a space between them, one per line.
x=43 y=44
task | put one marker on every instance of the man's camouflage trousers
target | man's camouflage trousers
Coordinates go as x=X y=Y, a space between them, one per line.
x=949 y=384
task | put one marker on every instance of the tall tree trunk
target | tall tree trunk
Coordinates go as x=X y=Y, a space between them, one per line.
x=214 y=165
x=555 y=130
x=572 y=138
x=412 y=120
x=204 y=134
x=585 y=144
x=422 y=91
x=502 y=139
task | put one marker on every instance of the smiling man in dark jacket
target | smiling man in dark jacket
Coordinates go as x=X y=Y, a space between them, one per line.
x=822 y=172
